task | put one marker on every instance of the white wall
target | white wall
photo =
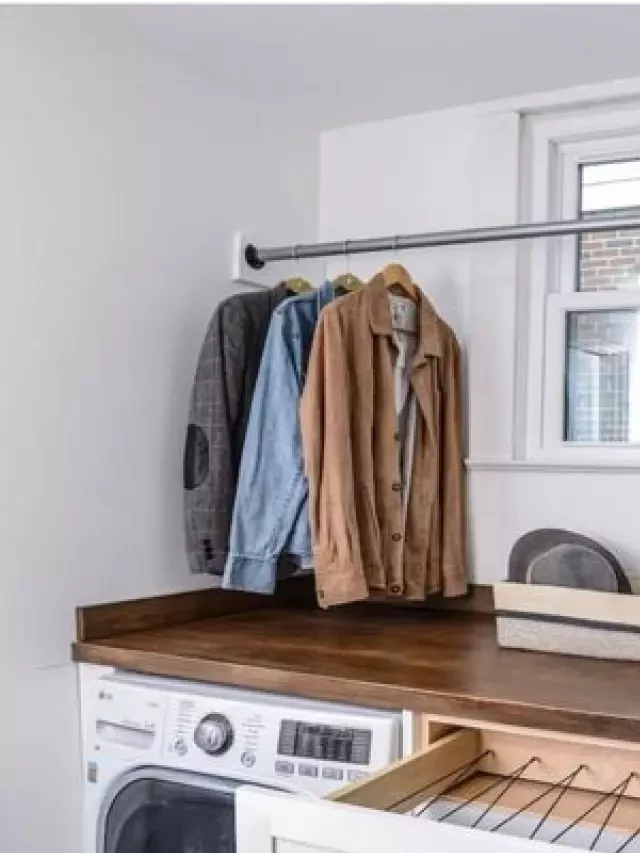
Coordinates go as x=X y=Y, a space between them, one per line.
x=456 y=169
x=121 y=180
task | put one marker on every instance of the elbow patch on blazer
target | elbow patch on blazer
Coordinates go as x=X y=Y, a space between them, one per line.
x=196 y=457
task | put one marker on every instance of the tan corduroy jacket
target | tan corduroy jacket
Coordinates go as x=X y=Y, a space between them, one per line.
x=351 y=451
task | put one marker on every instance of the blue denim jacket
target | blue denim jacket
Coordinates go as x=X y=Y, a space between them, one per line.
x=270 y=514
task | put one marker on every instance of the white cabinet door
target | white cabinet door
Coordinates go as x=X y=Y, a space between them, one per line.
x=272 y=822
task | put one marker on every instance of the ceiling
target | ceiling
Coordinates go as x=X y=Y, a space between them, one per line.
x=330 y=65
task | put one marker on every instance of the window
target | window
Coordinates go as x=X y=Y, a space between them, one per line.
x=583 y=395
x=602 y=346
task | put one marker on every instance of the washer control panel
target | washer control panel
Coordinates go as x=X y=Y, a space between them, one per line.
x=287 y=742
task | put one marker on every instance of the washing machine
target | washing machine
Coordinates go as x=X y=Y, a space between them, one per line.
x=163 y=758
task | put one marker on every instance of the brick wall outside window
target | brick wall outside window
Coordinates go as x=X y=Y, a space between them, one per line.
x=610 y=261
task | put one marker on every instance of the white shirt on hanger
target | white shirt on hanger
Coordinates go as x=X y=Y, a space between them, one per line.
x=404 y=323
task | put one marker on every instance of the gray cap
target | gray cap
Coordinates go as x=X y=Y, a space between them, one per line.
x=562 y=558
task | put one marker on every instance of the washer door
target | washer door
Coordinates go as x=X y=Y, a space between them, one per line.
x=157 y=811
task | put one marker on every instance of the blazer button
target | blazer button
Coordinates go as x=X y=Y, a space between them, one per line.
x=396 y=537
x=397 y=487
x=395 y=589
x=396 y=436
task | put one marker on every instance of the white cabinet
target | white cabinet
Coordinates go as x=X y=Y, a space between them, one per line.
x=271 y=822
x=376 y=814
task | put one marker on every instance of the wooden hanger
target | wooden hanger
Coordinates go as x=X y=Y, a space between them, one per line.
x=397 y=276
x=298 y=285
x=348 y=281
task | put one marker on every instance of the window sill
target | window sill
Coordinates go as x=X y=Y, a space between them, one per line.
x=596 y=466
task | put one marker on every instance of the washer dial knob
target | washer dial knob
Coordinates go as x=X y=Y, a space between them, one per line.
x=214 y=734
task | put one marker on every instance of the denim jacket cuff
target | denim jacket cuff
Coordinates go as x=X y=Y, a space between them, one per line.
x=251 y=574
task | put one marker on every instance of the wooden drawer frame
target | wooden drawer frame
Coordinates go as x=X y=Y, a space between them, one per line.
x=446 y=749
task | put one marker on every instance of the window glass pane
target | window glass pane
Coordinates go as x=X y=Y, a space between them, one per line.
x=609 y=260
x=610 y=186
x=602 y=373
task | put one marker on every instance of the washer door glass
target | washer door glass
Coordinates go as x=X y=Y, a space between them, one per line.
x=160 y=816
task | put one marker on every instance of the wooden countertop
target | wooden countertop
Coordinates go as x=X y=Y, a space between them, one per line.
x=443 y=663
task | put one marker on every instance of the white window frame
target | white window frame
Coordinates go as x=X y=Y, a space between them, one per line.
x=554 y=148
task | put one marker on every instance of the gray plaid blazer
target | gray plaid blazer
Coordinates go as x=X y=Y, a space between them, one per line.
x=220 y=403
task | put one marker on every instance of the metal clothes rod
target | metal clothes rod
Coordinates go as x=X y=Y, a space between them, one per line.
x=257 y=257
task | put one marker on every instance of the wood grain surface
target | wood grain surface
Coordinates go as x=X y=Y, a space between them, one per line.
x=441 y=663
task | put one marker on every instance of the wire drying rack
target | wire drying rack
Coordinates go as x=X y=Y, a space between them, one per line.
x=539 y=817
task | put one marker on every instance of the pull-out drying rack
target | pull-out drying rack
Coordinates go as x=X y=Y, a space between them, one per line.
x=524 y=786
x=484 y=803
